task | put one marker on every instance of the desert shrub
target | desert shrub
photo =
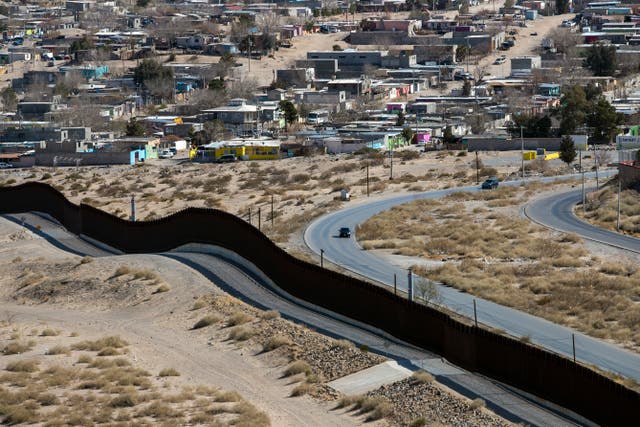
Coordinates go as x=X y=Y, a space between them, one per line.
x=476 y=404
x=207 y=321
x=298 y=367
x=18 y=347
x=347 y=401
x=22 y=366
x=382 y=410
x=86 y=260
x=58 y=349
x=127 y=400
x=47 y=399
x=169 y=372
x=84 y=358
x=228 y=396
x=241 y=333
x=20 y=415
x=276 y=341
x=121 y=271
x=49 y=333
x=270 y=314
x=302 y=389
x=342 y=344
x=238 y=318
x=108 y=351
x=198 y=304
x=100 y=344
x=418 y=422
x=162 y=288
x=423 y=377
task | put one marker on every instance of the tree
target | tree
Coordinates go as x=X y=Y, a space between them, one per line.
x=427 y=290
x=80 y=44
x=448 y=137
x=466 y=88
x=567 y=150
x=134 y=128
x=151 y=70
x=604 y=120
x=212 y=130
x=400 y=119
x=290 y=112
x=407 y=134
x=464 y=7
x=509 y=3
x=532 y=126
x=573 y=109
x=601 y=59
x=9 y=99
x=562 y=6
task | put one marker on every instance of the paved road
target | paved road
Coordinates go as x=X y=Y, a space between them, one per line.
x=241 y=280
x=321 y=234
x=556 y=212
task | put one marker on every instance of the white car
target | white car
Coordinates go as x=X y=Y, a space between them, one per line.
x=4 y=165
x=166 y=154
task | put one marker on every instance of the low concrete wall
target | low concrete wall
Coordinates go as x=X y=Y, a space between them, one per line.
x=496 y=144
x=84 y=159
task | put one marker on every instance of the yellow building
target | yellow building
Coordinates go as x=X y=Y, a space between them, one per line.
x=248 y=149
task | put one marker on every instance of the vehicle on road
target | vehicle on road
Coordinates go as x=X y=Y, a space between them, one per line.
x=490 y=183
x=500 y=60
x=344 y=232
x=227 y=158
x=4 y=165
x=166 y=154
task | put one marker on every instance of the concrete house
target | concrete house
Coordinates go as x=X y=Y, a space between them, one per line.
x=238 y=117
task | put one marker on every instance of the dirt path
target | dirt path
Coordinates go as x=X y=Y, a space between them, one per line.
x=159 y=338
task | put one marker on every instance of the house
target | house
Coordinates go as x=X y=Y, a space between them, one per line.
x=295 y=77
x=352 y=87
x=245 y=149
x=238 y=117
x=76 y=154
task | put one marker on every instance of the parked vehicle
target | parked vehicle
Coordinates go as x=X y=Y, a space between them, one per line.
x=490 y=183
x=500 y=60
x=344 y=232
x=317 y=117
x=166 y=154
x=227 y=158
x=4 y=165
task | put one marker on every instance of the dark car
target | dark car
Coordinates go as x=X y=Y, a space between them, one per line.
x=490 y=183
x=344 y=232
x=227 y=158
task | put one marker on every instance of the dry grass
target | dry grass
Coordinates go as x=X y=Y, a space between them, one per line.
x=198 y=304
x=49 y=333
x=241 y=333
x=22 y=366
x=477 y=404
x=270 y=314
x=302 y=389
x=58 y=349
x=101 y=344
x=207 y=321
x=276 y=341
x=238 y=318
x=422 y=377
x=169 y=372
x=297 y=367
x=18 y=347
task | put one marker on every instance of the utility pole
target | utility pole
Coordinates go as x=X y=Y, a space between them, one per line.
x=619 y=191
x=477 y=169
x=367 y=178
x=321 y=258
x=272 y=210
x=133 y=208
x=522 y=151
x=584 y=206
x=475 y=313
x=259 y=219
x=573 y=340
x=395 y=284
x=249 y=47
x=391 y=161
x=410 y=285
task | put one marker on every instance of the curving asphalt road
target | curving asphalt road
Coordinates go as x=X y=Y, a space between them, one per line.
x=321 y=235
x=241 y=279
x=556 y=212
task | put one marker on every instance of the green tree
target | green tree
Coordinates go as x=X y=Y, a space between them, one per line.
x=466 y=88
x=536 y=126
x=400 y=119
x=407 y=134
x=142 y=3
x=151 y=70
x=217 y=84
x=80 y=44
x=574 y=107
x=134 y=128
x=9 y=99
x=604 y=121
x=562 y=6
x=509 y=3
x=601 y=59
x=448 y=137
x=567 y=150
x=289 y=111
